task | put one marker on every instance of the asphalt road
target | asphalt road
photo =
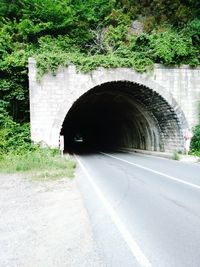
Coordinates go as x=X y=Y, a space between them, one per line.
x=144 y=211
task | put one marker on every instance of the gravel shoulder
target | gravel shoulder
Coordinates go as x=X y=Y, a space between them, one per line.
x=44 y=224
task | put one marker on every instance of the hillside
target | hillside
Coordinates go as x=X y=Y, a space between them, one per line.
x=89 y=34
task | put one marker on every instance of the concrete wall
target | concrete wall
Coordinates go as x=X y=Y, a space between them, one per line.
x=53 y=96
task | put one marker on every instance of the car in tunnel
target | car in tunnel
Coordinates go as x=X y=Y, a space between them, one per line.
x=78 y=138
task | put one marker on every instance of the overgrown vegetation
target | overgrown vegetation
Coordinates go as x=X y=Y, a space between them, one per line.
x=89 y=34
x=38 y=163
x=18 y=154
x=14 y=136
x=119 y=48
x=195 y=144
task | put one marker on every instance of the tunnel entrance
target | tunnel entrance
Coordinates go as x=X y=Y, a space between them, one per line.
x=121 y=114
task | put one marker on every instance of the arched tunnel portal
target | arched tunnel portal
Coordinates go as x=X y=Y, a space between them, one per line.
x=121 y=114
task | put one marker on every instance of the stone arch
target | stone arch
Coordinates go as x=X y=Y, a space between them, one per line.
x=109 y=76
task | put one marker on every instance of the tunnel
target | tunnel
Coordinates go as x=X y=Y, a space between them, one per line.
x=118 y=115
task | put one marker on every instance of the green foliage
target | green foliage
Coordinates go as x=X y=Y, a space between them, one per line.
x=171 y=47
x=52 y=61
x=195 y=144
x=18 y=154
x=115 y=37
x=175 y=12
x=194 y=32
x=40 y=163
x=14 y=137
x=92 y=12
x=117 y=17
x=13 y=71
x=10 y=9
x=175 y=155
x=116 y=48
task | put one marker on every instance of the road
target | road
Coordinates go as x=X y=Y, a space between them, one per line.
x=144 y=211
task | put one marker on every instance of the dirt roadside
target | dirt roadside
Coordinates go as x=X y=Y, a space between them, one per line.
x=44 y=224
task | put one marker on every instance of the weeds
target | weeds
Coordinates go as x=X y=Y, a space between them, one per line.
x=41 y=163
x=175 y=155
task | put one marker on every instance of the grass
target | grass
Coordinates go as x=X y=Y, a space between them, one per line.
x=195 y=153
x=39 y=164
x=175 y=155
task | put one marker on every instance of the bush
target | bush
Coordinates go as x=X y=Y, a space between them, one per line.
x=172 y=47
x=195 y=143
x=175 y=155
x=14 y=137
x=18 y=154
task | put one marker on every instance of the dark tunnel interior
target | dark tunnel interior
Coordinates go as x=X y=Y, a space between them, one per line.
x=119 y=115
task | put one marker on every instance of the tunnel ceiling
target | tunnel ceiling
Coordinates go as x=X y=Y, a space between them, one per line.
x=121 y=114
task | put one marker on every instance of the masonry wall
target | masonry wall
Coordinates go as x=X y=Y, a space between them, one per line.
x=53 y=96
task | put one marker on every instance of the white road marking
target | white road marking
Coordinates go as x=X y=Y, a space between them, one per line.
x=135 y=249
x=153 y=171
